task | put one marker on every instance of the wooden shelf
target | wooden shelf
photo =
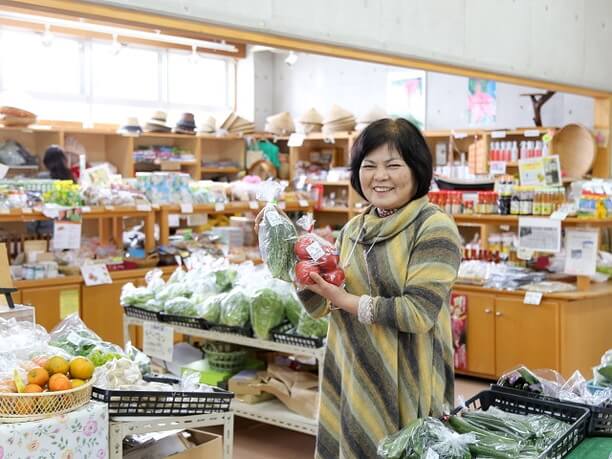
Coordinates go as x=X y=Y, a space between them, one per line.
x=334 y=209
x=513 y=220
x=326 y=183
x=220 y=170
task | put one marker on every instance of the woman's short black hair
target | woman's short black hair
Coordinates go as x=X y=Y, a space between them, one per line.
x=55 y=161
x=401 y=135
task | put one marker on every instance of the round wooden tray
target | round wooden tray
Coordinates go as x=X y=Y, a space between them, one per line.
x=576 y=148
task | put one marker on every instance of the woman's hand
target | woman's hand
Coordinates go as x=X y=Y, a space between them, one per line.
x=338 y=297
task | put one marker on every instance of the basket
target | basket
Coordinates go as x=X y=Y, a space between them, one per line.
x=578 y=417
x=150 y=261
x=35 y=406
x=600 y=422
x=139 y=313
x=285 y=333
x=155 y=403
x=184 y=321
x=244 y=331
x=225 y=357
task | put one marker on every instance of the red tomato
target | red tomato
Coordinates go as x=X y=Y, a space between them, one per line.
x=328 y=262
x=300 y=246
x=302 y=272
x=335 y=277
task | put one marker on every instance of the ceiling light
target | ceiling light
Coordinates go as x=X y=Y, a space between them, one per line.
x=47 y=36
x=194 y=58
x=291 y=59
x=116 y=46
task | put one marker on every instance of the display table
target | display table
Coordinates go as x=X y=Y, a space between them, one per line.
x=80 y=433
x=592 y=448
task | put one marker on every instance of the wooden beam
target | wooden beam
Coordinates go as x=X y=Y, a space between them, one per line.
x=188 y=27
x=602 y=167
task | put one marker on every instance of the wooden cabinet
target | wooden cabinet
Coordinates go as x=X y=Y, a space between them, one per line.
x=526 y=334
x=52 y=304
x=480 y=341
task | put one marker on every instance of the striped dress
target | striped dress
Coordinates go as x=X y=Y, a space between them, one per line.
x=379 y=377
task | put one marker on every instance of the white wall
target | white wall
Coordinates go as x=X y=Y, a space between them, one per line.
x=565 y=41
x=319 y=81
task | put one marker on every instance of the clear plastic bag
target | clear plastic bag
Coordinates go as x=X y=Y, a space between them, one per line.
x=181 y=306
x=138 y=357
x=267 y=310
x=210 y=308
x=602 y=374
x=21 y=339
x=234 y=308
x=277 y=234
x=135 y=296
x=310 y=327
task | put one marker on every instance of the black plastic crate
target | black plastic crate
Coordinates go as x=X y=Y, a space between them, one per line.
x=184 y=321
x=139 y=313
x=138 y=403
x=285 y=334
x=244 y=331
x=600 y=422
x=577 y=417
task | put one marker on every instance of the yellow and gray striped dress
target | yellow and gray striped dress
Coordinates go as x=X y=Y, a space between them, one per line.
x=379 y=377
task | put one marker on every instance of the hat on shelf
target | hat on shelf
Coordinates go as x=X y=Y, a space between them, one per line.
x=228 y=120
x=17 y=117
x=185 y=125
x=338 y=119
x=280 y=124
x=208 y=126
x=311 y=121
x=130 y=127
x=157 y=123
x=241 y=126
x=373 y=114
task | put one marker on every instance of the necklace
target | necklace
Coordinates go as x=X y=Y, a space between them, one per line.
x=385 y=212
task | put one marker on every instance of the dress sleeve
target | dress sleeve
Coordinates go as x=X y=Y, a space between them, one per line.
x=316 y=305
x=432 y=270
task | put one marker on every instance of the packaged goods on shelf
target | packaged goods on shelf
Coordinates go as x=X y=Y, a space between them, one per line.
x=164 y=187
x=13 y=154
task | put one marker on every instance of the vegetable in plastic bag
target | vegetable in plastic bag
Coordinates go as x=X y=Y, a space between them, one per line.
x=180 y=306
x=293 y=309
x=310 y=327
x=225 y=279
x=140 y=358
x=234 y=308
x=135 y=296
x=521 y=378
x=602 y=374
x=210 y=308
x=173 y=291
x=277 y=234
x=73 y=336
x=104 y=352
x=267 y=311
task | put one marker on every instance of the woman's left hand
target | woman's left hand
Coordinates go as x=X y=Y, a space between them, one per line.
x=336 y=295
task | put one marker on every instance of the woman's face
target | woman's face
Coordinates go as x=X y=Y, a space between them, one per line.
x=386 y=180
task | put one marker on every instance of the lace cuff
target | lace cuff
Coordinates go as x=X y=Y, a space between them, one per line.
x=365 y=311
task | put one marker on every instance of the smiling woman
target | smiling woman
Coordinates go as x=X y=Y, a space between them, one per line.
x=389 y=356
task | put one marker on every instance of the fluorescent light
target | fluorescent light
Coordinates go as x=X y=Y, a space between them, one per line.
x=159 y=37
x=47 y=37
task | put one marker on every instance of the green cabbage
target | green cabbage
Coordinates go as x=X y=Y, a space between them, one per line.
x=267 y=311
x=173 y=291
x=180 y=306
x=235 y=309
x=293 y=309
x=135 y=296
x=210 y=308
x=225 y=279
x=313 y=328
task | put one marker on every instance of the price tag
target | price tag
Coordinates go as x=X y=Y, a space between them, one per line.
x=85 y=209
x=253 y=205
x=143 y=208
x=296 y=140
x=459 y=135
x=315 y=251
x=498 y=134
x=66 y=235
x=497 y=167
x=27 y=210
x=532 y=133
x=282 y=205
x=95 y=275
x=534 y=298
x=303 y=203
x=158 y=340
x=187 y=208
x=219 y=207
x=559 y=215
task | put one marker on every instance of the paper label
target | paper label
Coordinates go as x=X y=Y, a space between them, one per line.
x=143 y=208
x=303 y=203
x=497 y=167
x=315 y=251
x=532 y=133
x=95 y=275
x=253 y=205
x=219 y=207
x=158 y=340
x=74 y=338
x=187 y=208
x=542 y=171
x=559 y=215
x=85 y=209
x=581 y=251
x=540 y=234
x=498 y=134
x=66 y=235
x=69 y=303
x=296 y=140
x=173 y=220
x=274 y=218
x=534 y=298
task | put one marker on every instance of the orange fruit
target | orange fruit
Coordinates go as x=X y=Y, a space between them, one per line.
x=76 y=382
x=38 y=376
x=81 y=368
x=57 y=365
x=59 y=382
x=32 y=388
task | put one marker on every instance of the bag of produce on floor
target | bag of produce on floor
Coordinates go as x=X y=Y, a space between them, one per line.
x=234 y=308
x=267 y=311
x=602 y=374
x=180 y=306
x=210 y=308
x=135 y=296
x=521 y=378
x=310 y=327
x=315 y=255
x=277 y=234
x=424 y=438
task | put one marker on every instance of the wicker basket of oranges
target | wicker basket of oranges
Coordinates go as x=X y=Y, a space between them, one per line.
x=55 y=387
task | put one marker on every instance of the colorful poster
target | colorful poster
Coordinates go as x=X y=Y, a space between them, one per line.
x=459 y=306
x=482 y=102
x=406 y=95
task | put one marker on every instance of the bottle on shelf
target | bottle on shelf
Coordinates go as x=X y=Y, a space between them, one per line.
x=515 y=201
x=537 y=202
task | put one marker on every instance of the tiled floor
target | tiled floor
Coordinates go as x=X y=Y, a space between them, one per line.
x=253 y=440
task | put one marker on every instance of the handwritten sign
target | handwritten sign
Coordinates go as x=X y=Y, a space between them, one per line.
x=158 y=341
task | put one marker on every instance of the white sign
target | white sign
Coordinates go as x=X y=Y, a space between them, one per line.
x=66 y=235
x=497 y=167
x=187 y=208
x=174 y=220
x=158 y=340
x=498 y=134
x=303 y=203
x=253 y=205
x=581 y=251
x=219 y=207
x=95 y=275
x=540 y=234
x=532 y=133
x=534 y=298
x=296 y=140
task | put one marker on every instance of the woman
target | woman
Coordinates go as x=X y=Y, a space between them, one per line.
x=389 y=356
x=56 y=162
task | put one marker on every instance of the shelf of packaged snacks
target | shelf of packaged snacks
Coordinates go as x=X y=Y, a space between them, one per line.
x=481 y=219
x=275 y=413
x=220 y=170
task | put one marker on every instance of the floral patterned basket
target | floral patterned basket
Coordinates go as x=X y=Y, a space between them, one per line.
x=35 y=406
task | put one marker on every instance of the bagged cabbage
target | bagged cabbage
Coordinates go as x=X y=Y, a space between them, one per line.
x=210 y=308
x=135 y=296
x=173 y=291
x=293 y=309
x=312 y=328
x=153 y=305
x=155 y=281
x=180 y=306
x=225 y=279
x=234 y=310
x=177 y=277
x=267 y=311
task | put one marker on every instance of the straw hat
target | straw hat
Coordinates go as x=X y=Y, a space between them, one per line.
x=576 y=148
x=209 y=125
x=228 y=121
x=157 y=123
x=373 y=114
x=280 y=124
x=337 y=113
x=131 y=126
x=13 y=116
x=311 y=116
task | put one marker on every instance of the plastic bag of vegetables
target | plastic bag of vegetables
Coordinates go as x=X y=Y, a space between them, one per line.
x=313 y=328
x=135 y=296
x=180 y=306
x=234 y=308
x=277 y=234
x=172 y=291
x=224 y=279
x=210 y=308
x=140 y=358
x=426 y=437
x=267 y=311
x=602 y=374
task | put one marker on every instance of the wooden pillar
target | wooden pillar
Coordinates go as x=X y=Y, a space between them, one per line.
x=602 y=167
x=164 y=227
x=149 y=230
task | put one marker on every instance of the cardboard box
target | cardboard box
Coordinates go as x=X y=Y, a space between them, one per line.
x=190 y=444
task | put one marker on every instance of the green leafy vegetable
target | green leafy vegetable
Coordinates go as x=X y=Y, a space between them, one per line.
x=225 y=279
x=135 y=296
x=313 y=328
x=277 y=236
x=180 y=306
x=234 y=310
x=267 y=311
x=210 y=308
x=293 y=309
